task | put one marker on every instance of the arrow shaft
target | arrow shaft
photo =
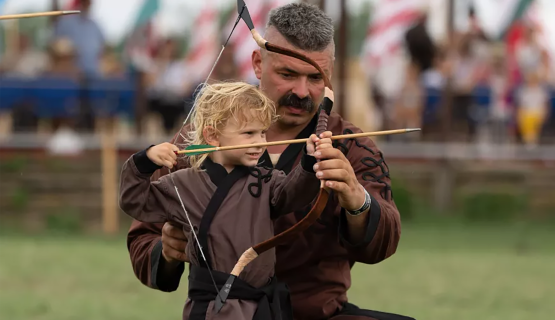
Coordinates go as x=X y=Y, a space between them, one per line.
x=38 y=14
x=282 y=142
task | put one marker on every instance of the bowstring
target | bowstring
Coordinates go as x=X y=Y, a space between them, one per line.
x=171 y=173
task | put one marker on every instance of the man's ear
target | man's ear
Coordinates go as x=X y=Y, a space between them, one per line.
x=211 y=136
x=257 y=63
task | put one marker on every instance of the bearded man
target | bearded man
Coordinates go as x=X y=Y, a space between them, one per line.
x=360 y=222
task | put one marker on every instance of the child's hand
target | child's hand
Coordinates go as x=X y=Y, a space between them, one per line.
x=163 y=154
x=314 y=143
x=325 y=141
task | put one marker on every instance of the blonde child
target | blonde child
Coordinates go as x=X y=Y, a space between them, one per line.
x=230 y=200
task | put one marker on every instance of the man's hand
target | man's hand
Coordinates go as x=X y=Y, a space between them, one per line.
x=339 y=175
x=163 y=154
x=173 y=244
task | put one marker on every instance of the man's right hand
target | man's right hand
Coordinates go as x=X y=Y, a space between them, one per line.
x=174 y=243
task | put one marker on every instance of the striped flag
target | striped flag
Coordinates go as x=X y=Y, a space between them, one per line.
x=386 y=30
x=205 y=42
x=382 y=52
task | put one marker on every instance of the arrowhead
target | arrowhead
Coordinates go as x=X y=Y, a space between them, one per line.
x=412 y=129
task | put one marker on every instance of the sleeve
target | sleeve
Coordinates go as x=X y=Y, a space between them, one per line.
x=145 y=250
x=144 y=243
x=383 y=229
x=140 y=198
x=296 y=190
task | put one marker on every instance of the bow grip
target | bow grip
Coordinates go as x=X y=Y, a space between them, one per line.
x=325 y=110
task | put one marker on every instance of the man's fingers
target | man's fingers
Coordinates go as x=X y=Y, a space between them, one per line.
x=334 y=175
x=175 y=244
x=340 y=187
x=174 y=254
x=172 y=231
x=329 y=153
x=331 y=164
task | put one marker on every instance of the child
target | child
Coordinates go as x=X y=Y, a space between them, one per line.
x=532 y=109
x=230 y=200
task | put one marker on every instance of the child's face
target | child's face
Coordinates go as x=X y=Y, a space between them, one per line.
x=233 y=134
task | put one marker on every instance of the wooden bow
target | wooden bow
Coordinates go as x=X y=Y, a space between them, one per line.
x=322 y=200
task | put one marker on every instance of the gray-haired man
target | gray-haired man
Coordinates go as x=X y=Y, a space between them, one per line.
x=360 y=223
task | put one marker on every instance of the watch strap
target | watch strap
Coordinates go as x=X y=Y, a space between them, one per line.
x=364 y=207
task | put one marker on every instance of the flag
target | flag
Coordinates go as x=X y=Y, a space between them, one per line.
x=510 y=11
x=205 y=42
x=382 y=51
x=140 y=43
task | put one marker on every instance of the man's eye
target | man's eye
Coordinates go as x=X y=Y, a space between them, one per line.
x=286 y=75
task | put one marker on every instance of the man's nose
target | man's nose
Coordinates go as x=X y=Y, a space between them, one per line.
x=301 y=88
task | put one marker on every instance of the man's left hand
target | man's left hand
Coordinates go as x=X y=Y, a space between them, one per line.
x=339 y=176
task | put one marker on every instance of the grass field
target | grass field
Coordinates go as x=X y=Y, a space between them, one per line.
x=450 y=272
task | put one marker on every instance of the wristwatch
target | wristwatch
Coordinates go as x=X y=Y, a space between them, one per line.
x=365 y=205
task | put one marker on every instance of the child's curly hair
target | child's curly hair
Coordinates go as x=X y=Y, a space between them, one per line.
x=216 y=103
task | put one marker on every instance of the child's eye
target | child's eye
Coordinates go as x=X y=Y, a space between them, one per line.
x=248 y=132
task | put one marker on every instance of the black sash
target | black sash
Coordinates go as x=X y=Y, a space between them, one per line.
x=273 y=299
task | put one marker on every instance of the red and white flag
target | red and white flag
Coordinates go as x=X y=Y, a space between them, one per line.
x=205 y=42
x=386 y=30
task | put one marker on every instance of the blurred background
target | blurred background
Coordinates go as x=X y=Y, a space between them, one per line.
x=79 y=94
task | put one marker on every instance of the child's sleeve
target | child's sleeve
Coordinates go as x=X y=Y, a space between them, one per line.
x=294 y=191
x=142 y=199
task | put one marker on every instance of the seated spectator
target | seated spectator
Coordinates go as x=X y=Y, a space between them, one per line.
x=86 y=36
x=63 y=60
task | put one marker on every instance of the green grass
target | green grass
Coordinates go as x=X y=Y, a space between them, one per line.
x=439 y=272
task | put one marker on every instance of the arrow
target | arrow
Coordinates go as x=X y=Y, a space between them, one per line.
x=38 y=14
x=201 y=149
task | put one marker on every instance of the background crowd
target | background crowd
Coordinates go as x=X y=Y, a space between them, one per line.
x=61 y=75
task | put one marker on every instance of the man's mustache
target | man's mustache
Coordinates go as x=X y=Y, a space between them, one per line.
x=292 y=100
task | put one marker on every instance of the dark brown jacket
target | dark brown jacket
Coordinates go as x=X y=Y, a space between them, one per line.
x=316 y=266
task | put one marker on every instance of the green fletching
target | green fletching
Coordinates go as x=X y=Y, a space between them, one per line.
x=199 y=147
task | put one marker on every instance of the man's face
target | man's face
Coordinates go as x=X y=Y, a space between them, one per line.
x=294 y=85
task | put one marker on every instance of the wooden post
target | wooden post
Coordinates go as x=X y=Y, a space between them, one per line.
x=342 y=59
x=110 y=216
x=445 y=175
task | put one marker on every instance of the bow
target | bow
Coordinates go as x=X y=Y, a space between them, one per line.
x=321 y=202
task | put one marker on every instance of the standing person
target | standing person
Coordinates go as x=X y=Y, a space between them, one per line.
x=532 y=108
x=360 y=222
x=228 y=196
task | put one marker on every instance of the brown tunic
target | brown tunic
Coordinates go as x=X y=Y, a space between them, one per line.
x=316 y=266
x=232 y=211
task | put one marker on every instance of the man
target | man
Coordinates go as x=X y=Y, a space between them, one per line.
x=316 y=265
